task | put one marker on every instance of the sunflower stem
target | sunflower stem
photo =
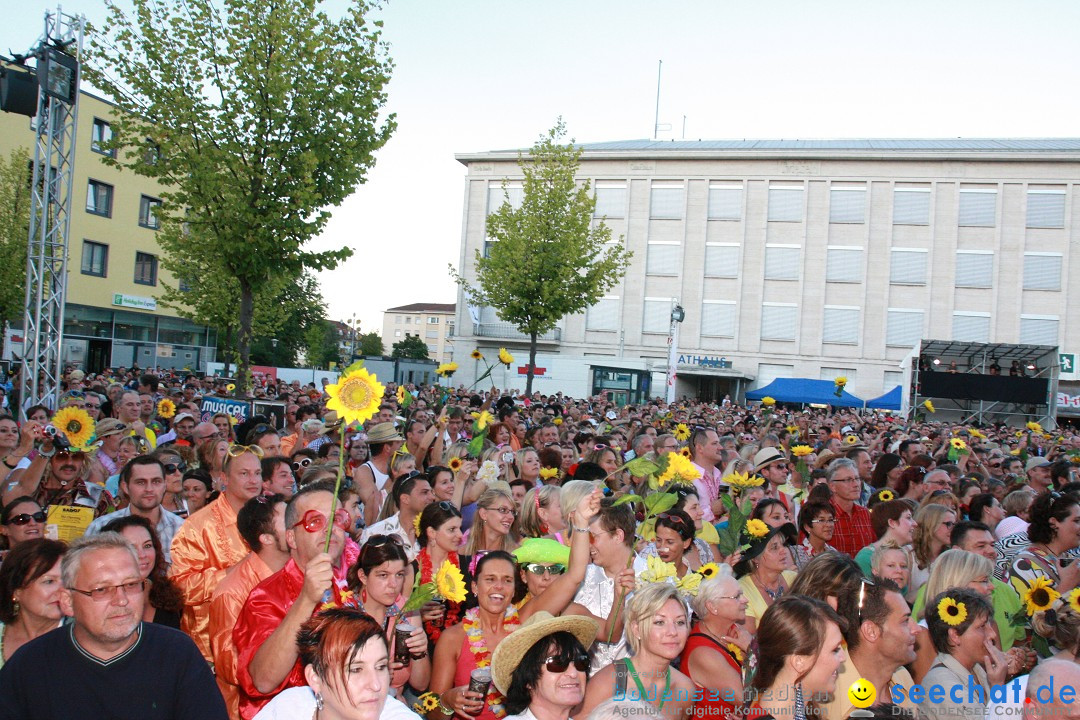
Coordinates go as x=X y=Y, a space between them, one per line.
x=337 y=488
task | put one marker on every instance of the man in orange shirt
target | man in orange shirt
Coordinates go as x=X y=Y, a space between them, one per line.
x=261 y=523
x=208 y=544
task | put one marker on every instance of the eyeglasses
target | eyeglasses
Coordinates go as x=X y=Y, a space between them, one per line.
x=539 y=569
x=823 y=521
x=314 y=521
x=238 y=450
x=108 y=593
x=261 y=428
x=675 y=519
x=211 y=436
x=301 y=464
x=67 y=455
x=25 y=518
x=503 y=510
x=730 y=597
x=448 y=506
x=171 y=468
x=556 y=664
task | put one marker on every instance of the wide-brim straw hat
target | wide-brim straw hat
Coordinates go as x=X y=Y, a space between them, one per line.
x=383 y=433
x=512 y=649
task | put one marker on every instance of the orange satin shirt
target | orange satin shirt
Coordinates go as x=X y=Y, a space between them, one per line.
x=207 y=545
x=225 y=606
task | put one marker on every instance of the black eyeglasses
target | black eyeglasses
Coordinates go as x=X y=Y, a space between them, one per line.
x=557 y=664
x=171 y=468
x=25 y=518
x=261 y=428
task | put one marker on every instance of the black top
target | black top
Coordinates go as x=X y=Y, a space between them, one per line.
x=161 y=677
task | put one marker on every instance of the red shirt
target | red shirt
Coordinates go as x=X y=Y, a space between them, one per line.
x=853 y=530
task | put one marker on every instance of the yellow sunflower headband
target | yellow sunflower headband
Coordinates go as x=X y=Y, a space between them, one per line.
x=951 y=612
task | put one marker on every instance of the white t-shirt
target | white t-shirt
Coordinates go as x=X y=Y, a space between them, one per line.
x=299 y=702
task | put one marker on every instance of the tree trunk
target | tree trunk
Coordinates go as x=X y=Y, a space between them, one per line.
x=227 y=350
x=532 y=364
x=243 y=338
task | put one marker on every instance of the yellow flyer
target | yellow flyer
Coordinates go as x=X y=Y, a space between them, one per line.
x=67 y=522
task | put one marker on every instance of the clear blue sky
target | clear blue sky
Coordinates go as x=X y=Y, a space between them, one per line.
x=483 y=75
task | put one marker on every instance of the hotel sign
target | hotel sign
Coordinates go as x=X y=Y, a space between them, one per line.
x=134 y=301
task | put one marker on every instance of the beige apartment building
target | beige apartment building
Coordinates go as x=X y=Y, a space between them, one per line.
x=432 y=322
x=809 y=258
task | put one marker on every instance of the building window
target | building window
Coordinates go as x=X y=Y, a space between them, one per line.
x=725 y=201
x=782 y=262
x=95 y=258
x=847 y=205
x=656 y=317
x=515 y=193
x=397 y=333
x=666 y=200
x=974 y=268
x=721 y=260
x=100 y=137
x=767 y=372
x=841 y=325
x=408 y=320
x=971 y=327
x=662 y=258
x=1039 y=329
x=145 y=269
x=604 y=315
x=432 y=334
x=843 y=264
x=149 y=212
x=785 y=203
x=903 y=327
x=433 y=321
x=718 y=318
x=911 y=206
x=892 y=379
x=397 y=319
x=610 y=200
x=978 y=207
x=99 y=198
x=1042 y=271
x=1046 y=208
x=907 y=266
x=778 y=321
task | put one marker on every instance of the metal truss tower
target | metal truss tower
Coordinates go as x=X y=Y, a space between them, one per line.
x=57 y=52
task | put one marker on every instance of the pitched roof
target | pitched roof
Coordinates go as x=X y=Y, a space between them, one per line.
x=425 y=307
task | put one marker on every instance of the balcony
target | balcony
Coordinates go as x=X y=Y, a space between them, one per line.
x=506 y=331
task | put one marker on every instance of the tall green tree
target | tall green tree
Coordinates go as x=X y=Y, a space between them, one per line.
x=548 y=259
x=371 y=344
x=411 y=346
x=322 y=345
x=257 y=118
x=14 y=229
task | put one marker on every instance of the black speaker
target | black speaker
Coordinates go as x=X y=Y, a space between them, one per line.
x=18 y=92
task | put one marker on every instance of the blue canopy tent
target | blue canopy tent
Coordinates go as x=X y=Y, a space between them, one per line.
x=805 y=390
x=889 y=401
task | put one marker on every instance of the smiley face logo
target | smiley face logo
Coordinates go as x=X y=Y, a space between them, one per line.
x=862 y=693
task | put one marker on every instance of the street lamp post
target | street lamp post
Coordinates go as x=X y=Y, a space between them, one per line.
x=677 y=316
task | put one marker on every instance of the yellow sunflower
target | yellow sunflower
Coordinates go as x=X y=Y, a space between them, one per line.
x=736 y=652
x=708 y=570
x=929 y=406
x=450 y=582
x=685 y=452
x=657 y=570
x=166 y=409
x=1040 y=595
x=851 y=439
x=690 y=583
x=840 y=381
x=1074 y=600
x=477 y=355
x=484 y=419
x=958 y=444
x=355 y=396
x=757 y=528
x=976 y=434
x=446 y=369
x=1034 y=427
x=768 y=401
x=679 y=470
x=793 y=429
x=801 y=450
x=886 y=495
x=76 y=424
x=400 y=394
x=416 y=525
x=505 y=357
x=455 y=464
x=742 y=480
x=682 y=432
x=549 y=473
x=230 y=387
x=951 y=612
x=426 y=703
x=557 y=421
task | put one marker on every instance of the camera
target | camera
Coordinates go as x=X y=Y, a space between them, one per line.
x=58 y=438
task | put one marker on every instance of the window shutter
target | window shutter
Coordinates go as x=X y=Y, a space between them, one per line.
x=1042 y=272
x=785 y=204
x=974 y=269
x=844 y=265
x=721 y=260
x=718 y=319
x=969 y=327
x=662 y=259
x=767 y=372
x=778 y=322
x=892 y=379
x=1038 y=331
x=496 y=197
x=908 y=267
x=911 y=206
x=604 y=315
x=841 y=325
x=1045 y=209
x=781 y=263
x=847 y=205
x=977 y=208
x=610 y=200
x=725 y=202
x=666 y=202
x=903 y=327
x=657 y=316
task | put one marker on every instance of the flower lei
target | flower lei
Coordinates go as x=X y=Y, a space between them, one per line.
x=480 y=651
x=453 y=609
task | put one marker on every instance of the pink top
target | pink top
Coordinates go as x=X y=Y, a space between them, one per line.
x=466 y=664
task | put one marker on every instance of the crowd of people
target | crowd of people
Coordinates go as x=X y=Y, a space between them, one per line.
x=486 y=554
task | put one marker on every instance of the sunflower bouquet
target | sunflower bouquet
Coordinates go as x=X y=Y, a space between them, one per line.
x=768 y=404
x=448 y=584
x=799 y=452
x=957 y=448
x=505 y=358
x=1038 y=596
x=730 y=539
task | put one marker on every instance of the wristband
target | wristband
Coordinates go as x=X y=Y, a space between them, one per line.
x=42 y=453
x=581 y=530
x=443 y=709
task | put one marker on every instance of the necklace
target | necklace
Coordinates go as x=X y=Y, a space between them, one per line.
x=774 y=595
x=453 y=610
x=481 y=653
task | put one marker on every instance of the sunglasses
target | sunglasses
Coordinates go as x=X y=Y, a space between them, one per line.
x=314 y=521
x=171 y=468
x=301 y=464
x=675 y=519
x=238 y=450
x=538 y=569
x=557 y=664
x=25 y=518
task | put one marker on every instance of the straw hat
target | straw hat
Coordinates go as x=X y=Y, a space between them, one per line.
x=508 y=654
x=383 y=433
x=110 y=426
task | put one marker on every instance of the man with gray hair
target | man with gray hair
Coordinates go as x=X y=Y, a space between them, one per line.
x=1047 y=686
x=110 y=660
x=853 y=530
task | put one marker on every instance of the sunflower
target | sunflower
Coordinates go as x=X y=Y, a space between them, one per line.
x=505 y=357
x=76 y=425
x=557 y=421
x=679 y=469
x=166 y=409
x=689 y=584
x=801 y=450
x=426 y=703
x=355 y=396
x=455 y=464
x=951 y=612
x=976 y=434
x=1035 y=427
x=1040 y=595
x=450 y=582
x=446 y=369
x=929 y=406
x=886 y=495
x=549 y=473
x=400 y=394
x=757 y=528
x=768 y=401
x=708 y=570
x=793 y=429
x=958 y=444
x=230 y=387
x=484 y=419
x=851 y=440
x=416 y=525
x=477 y=355
x=682 y=432
x=840 y=381
x=685 y=452
x=736 y=652
x=1074 y=600
x=742 y=480
x=657 y=570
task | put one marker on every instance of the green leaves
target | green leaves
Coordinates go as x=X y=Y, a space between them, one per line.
x=642 y=466
x=657 y=503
